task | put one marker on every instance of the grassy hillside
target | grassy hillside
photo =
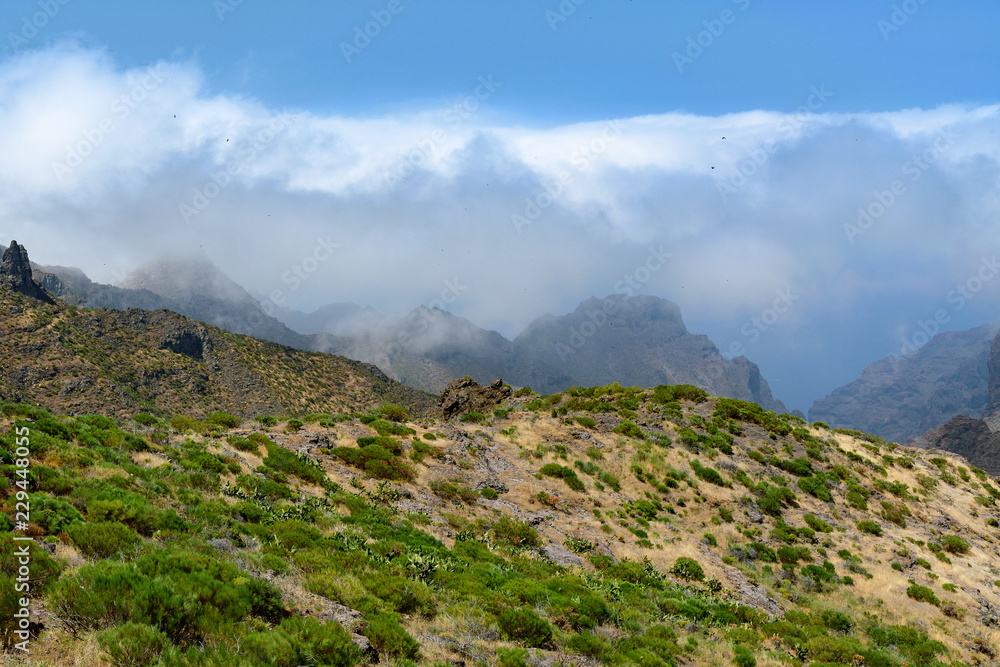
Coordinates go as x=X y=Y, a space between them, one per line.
x=610 y=525
x=114 y=362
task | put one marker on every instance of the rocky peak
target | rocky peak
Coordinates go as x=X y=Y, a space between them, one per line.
x=15 y=274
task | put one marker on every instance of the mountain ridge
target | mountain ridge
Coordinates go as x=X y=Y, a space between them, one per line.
x=429 y=347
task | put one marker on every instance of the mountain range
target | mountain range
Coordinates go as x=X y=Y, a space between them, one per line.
x=639 y=340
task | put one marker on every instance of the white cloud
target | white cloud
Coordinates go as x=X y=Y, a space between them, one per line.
x=447 y=213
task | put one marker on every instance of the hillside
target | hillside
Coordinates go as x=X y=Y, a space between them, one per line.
x=900 y=398
x=607 y=525
x=115 y=362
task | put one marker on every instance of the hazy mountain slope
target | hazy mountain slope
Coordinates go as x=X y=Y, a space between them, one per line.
x=644 y=343
x=204 y=292
x=636 y=340
x=900 y=398
x=340 y=319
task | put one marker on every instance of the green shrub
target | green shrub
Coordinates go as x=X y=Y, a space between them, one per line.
x=266 y=420
x=299 y=465
x=512 y=657
x=133 y=644
x=489 y=494
x=955 y=545
x=473 y=417
x=293 y=425
x=816 y=486
x=394 y=413
x=664 y=394
x=103 y=539
x=817 y=524
x=223 y=419
x=450 y=490
x=869 y=528
x=743 y=657
x=565 y=473
x=145 y=420
x=922 y=594
x=517 y=533
x=710 y=475
x=629 y=428
x=688 y=569
x=523 y=624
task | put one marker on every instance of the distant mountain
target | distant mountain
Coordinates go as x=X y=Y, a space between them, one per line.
x=634 y=340
x=640 y=340
x=120 y=362
x=900 y=398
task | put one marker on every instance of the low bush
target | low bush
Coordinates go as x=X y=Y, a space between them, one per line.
x=629 y=428
x=524 y=625
x=103 y=539
x=922 y=594
x=688 y=569
x=869 y=528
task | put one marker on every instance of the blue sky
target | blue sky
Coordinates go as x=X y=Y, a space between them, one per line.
x=469 y=136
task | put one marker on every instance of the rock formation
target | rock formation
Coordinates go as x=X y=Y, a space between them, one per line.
x=15 y=274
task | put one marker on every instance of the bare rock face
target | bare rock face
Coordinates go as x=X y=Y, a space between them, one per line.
x=966 y=437
x=991 y=414
x=466 y=395
x=15 y=274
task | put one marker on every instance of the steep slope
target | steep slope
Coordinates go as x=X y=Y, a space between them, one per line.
x=637 y=340
x=900 y=398
x=120 y=362
x=698 y=532
x=204 y=292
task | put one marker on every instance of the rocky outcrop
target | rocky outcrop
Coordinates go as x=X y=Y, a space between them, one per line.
x=466 y=395
x=15 y=274
x=966 y=437
x=991 y=414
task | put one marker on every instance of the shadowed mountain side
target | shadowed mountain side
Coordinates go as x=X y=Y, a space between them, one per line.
x=900 y=398
x=122 y=362
x=635 y=340
x=966 y=437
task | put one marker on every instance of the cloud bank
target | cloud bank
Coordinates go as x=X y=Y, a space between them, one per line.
x=811 y=242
